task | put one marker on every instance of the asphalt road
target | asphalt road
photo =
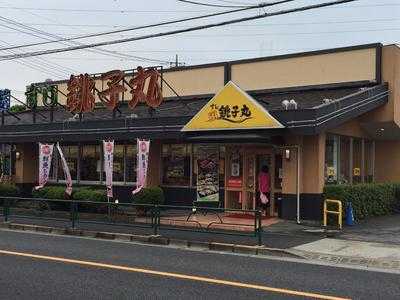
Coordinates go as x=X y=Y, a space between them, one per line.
x=79 y=268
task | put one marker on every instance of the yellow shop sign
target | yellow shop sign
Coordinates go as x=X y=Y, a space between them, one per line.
x=232 y=108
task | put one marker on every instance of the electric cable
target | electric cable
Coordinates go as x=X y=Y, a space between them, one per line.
x=44 y=33
x=178 y=31
x=150 y=25
x=211 y=5
x=43 y=64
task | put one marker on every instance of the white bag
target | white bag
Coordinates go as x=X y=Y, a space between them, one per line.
x=264 y=198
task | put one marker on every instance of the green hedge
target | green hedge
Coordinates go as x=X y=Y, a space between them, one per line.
x=50 y=192
x=79 y=193
x=150 y=195
x=367 y=199
x=88 y=194
x=8 y=190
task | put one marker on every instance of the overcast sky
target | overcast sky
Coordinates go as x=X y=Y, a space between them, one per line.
x=361 y=22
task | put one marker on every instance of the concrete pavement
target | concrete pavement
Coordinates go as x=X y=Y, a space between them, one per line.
x=33 y=278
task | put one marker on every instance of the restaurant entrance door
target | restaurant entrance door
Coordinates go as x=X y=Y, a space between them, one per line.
x=241 y=176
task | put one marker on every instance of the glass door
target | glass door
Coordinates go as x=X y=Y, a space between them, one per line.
x=234 y=178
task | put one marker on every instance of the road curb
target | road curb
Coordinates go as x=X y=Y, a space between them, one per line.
x=156 y=240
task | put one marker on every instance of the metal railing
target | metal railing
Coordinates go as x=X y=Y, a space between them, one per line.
x=337 y=212
x=155 y=217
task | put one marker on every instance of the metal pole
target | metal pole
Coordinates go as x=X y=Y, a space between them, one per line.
x=259 y=229
x=298 y=185
x=6 y=210
x=73 y=214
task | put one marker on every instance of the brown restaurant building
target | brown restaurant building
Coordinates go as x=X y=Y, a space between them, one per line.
x=323 y=117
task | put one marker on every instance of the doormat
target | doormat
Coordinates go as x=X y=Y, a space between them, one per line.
x=244 y=216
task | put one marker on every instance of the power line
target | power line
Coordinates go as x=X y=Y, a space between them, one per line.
x=237 y=25
x=211 y=5
x=233 y=2
x=98 y=50
x=53 y=36
x=125 y=11
x=173 y=32
x=43 y=64
x=152 y=25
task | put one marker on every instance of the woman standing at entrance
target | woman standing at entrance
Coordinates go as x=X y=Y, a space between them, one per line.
x=264 y=186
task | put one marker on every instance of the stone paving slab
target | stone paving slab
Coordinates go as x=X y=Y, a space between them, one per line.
x=336 y=251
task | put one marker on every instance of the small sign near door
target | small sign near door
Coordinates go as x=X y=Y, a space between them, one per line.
x=235 y=182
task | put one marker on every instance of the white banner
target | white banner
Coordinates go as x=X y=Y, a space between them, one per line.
x=67 y=173
x=108 y=147
x=45 y=156
x=143 y=148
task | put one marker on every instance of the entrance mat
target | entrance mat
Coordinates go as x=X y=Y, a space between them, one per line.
x=244 y=216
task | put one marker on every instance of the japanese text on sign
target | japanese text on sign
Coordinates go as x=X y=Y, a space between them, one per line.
x=233 y=114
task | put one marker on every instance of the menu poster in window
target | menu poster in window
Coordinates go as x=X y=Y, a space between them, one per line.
x=208 y=177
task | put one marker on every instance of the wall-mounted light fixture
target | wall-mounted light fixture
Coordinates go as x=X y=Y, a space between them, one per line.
x=17 y=155
x=287 y=154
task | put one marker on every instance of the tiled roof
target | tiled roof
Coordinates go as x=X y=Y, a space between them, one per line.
x=186 y=107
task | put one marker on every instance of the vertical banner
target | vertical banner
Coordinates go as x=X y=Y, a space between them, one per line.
x=45 y=156
x=143 y=148
x=108 y=147
x=67 y=173
x=207 y=173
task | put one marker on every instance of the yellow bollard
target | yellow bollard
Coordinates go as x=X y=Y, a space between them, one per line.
x=338 y=212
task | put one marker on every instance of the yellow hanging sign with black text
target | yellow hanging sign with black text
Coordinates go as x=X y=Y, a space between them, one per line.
x=232 y=108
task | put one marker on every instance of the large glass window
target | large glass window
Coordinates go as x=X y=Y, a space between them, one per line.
x=71 y=156
x=221 y=165
x=131 y=160
x=54 y=165
x=91 y=163
x=176 y=164
x=222 y=151
x=357 y=161
x=369 y=161
x=118 y=164
x=348 y=160
x=344 y=174
x=5 y=160
x=331 y=159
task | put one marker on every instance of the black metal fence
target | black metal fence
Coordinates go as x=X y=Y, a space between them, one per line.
x=153 y=217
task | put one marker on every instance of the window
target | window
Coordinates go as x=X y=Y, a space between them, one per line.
x=344 y=174
x=71 y=156
x=353 y=157
x=369 y=158
x=118 y=163
x=357 y=161
x=222 y=150
x=54 y=165
x=176 y=164
x=221 y=164
x=91 y=163
x=5 y=160
x=131 y=163
x=331 y=159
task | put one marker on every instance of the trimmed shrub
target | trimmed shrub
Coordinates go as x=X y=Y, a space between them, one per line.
x=92 y=195
x=150 y=195
x=50 y=192
x=89 y=194
x=367 y=199
x=8 y=190
x=17 y=108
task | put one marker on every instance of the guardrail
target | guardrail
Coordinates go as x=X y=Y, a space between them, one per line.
x=338 y=212
x=155 y=217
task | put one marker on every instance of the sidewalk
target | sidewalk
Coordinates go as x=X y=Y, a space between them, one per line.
x=339 y=251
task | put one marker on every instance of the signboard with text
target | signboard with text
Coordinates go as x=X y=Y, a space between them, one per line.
x=232 y=108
